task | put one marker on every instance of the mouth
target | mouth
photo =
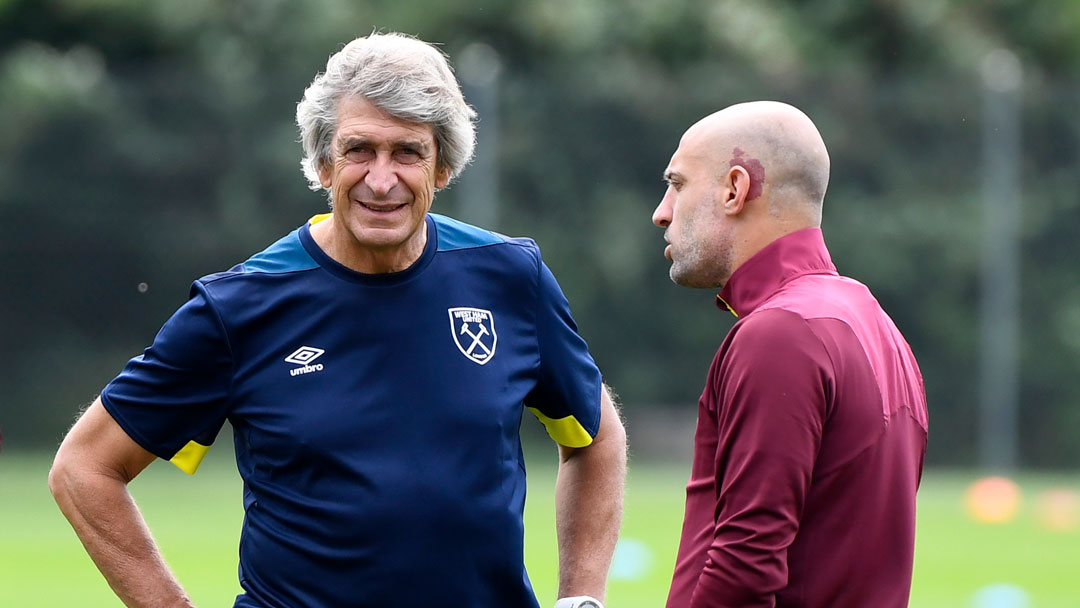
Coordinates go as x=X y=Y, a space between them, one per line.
x=382 y=207
x=667 y=253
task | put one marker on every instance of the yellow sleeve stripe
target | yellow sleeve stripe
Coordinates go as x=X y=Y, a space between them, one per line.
x=190 y=456
x=315 y=219
x=565 y=431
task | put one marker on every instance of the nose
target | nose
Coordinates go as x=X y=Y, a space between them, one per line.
x=662 y=215
x=381 y=177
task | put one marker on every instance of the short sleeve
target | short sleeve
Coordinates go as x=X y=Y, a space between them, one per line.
x=567 y=395
x=173 y=399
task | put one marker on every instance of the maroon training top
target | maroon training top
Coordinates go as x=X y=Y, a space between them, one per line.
x=809 y=446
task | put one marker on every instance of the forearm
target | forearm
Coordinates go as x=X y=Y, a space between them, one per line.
x=112 y=530
x=589 y=497
x=745 y=591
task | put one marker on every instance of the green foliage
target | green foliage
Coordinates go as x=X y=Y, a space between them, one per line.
x=153 y=142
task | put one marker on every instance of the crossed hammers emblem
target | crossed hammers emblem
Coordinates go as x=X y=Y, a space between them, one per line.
x=478 y=324
x=476 y=340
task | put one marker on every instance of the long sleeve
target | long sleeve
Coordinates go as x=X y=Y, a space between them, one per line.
x=771 y=396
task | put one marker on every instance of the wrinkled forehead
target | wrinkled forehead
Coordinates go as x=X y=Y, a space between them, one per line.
x=357 y=113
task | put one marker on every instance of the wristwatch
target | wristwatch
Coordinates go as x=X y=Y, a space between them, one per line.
x=581 y=601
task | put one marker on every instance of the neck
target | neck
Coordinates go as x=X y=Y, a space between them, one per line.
x=757 y=235
x=337 y=242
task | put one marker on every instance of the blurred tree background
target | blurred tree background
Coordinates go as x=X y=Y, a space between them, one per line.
x=145 y=144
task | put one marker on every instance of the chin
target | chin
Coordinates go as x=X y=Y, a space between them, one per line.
x=684 y=279
x=681 y=279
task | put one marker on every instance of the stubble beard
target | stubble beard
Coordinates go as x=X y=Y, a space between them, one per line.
x=700 y=268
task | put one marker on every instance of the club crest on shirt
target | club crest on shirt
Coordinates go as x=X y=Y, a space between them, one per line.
x=473 y=330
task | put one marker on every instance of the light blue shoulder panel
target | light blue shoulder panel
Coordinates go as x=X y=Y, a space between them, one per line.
x=459 y=235
x=286 y=255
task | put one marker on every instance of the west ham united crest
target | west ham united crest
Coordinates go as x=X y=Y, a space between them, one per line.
x=474 y=333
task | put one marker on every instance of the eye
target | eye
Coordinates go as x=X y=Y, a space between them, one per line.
x=407 y=156
x=359 y=154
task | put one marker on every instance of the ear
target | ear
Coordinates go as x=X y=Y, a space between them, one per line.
x=326 y=175
x=442 y=177
x=736 y=187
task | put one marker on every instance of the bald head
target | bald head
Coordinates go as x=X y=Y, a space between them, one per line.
x=740 y=179
x=778 y=146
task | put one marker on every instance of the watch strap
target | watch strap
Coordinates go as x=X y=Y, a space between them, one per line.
x=579 y=601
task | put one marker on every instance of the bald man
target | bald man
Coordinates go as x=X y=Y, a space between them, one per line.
x=812 y=426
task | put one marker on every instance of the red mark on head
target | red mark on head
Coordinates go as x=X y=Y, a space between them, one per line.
x=754 y=168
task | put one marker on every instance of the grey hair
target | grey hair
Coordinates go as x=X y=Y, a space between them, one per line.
x=403 y=76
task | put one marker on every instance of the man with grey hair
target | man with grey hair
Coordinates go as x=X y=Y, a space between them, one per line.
x=812 y=425
x=374 y=365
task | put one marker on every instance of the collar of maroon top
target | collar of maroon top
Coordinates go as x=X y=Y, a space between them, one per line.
x=800 y=253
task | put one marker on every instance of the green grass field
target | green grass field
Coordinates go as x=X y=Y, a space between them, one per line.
x=196 y=520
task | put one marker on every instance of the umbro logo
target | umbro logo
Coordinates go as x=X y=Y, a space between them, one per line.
x=303 y=357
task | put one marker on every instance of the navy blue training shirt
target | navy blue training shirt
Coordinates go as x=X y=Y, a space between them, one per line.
x=375 y=417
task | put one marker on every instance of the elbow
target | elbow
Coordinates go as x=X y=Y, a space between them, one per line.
x=59 y=475
x=619 y=436
x=65 y=475
x=611 y=453
x=615 y=437
x=616 y=446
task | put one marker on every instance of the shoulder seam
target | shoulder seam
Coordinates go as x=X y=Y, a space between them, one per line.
x=210 y=301
x=232 y=274
x=463 y=235
x=506 y=241
x=804 y=322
